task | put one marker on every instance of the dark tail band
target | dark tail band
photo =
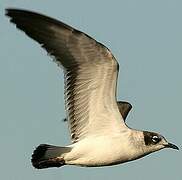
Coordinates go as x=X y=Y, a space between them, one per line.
x=40 y=160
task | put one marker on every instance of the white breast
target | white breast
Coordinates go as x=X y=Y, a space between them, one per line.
x=102 y=150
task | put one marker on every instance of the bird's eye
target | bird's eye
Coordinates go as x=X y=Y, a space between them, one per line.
x=156 y=139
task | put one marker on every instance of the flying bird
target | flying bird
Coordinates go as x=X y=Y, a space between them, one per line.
x=99 y=134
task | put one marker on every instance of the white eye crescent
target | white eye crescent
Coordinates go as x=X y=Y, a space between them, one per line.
x=156 y=139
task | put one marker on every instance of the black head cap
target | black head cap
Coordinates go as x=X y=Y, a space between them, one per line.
x=151 y=138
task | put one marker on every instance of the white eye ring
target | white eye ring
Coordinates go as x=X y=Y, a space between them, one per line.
x=155 y=139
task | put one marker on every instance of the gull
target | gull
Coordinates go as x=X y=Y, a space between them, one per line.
x=99 y=134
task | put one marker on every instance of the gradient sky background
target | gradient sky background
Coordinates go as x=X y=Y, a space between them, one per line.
x=145 y=37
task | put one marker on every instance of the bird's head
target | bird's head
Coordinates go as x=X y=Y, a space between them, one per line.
x=154 y=142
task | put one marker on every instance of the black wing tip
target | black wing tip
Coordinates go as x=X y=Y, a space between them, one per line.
x=13 y=13
x=19 y=13
x=10 y=11
x=127 y=103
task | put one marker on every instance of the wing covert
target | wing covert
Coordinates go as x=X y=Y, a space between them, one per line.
x=90 y=72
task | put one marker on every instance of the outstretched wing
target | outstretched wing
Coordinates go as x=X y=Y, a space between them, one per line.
x=124 y=109
x=90 y=72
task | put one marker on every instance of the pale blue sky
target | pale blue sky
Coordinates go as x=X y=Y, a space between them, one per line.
x=145 y=37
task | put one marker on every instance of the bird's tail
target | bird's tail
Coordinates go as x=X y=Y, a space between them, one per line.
x=46 y=156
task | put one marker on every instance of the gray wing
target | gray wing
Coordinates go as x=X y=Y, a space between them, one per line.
x=124 y=109
x=90 y=72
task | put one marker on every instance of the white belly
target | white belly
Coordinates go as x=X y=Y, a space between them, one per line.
x=100 y=151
